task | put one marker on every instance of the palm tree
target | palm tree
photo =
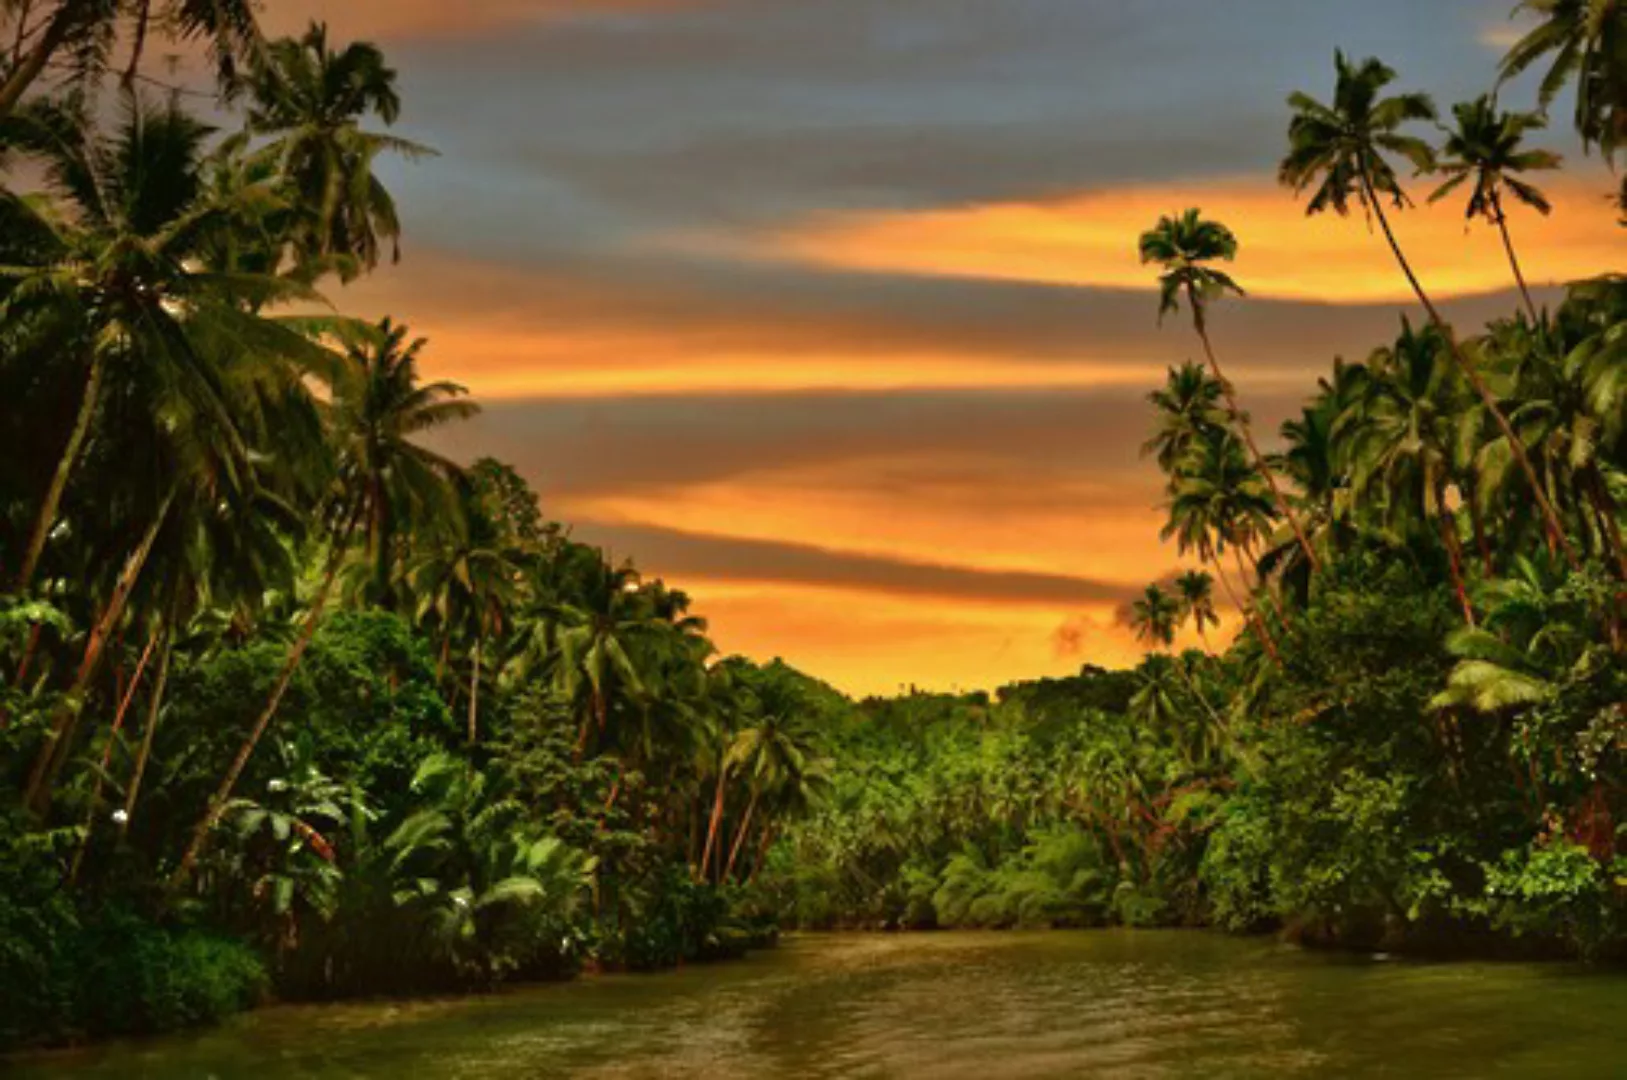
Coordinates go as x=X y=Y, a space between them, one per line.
x=593 y=639
x=1184 y=246
x=1154 y=616
x=1485 y=146
x=1196 y=592
x=116 y=288
x=1588 y=39
x=181 y=375
x=1217 y=500
x=383 y=477
x=85 y=31
x=772 y=754
x=1401 y=440
x=1341 y=148
x=1188 y=410
x=469 y=586
x=380 y=407
x=309 y=101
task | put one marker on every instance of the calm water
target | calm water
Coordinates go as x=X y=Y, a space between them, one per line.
x=946 y=1006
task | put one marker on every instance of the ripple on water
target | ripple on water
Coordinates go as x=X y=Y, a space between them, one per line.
x=947 y=1007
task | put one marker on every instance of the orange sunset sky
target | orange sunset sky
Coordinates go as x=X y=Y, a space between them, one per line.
x=828 y=311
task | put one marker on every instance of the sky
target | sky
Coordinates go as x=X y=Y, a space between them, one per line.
x=829 y=312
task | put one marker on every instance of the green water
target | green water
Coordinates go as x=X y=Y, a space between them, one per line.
x=947 y=1006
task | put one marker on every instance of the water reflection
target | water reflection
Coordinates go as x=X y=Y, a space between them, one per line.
x=945 y=1007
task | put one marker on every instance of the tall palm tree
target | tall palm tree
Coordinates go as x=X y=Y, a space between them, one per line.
x=1340 y=149
x=1588 y=40
x=115 y=285
x=181 y=372
x=1401 y=440
x=380 y=408
x=1218 y=501
x=1485 y=146
x=1188 y=410
x=384 y=478
x=1185 y=246
x=84 y=33
x=309 y=101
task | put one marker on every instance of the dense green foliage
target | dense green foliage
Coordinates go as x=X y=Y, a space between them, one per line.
x=290 y=703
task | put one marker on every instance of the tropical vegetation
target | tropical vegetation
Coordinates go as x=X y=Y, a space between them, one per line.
x=293 y=704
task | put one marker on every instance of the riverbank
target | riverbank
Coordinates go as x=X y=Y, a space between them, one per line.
x=948 y=1004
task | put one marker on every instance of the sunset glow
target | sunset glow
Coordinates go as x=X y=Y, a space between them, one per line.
x=788 y=308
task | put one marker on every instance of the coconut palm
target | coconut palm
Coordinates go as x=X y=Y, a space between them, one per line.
x=1195 y=590
x=1401 y=440
x=1588 y=41
x=1218 y=501
x=1155 y=616
x=182 y=375
x=1485 y=146
x=1188 y=409
x=384 y=478
x=115 y=289
x=82 y=35
x=1185 y=246
x=309 y=101
x=380 y=409
x=1340 y=150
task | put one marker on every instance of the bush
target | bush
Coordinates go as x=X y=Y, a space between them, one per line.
x=134 y=978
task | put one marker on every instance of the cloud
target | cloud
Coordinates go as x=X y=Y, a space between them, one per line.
x=678 y=554
x=1089 y=239
x=405 y=20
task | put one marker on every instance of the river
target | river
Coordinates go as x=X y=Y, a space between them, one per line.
x=946 y=1006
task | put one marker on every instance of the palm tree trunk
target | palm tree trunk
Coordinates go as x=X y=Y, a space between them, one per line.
x=1556 y=530
x=1254 y=451
x=25 y=8
x=1513 y=260
x=1259 y=619
x=1454 y=561
x=740 y=833
x=107 y=756
x=33 y=64
x=46 y=517
x=761 y=855
x=54 y=754
x=1249 y=617
x=717 y=819
x=313 y=620
x=153 y=709
x=139 y=47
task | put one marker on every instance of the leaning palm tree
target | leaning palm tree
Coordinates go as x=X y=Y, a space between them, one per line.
x=383 y=478
x=1588 y=41
x=1340 y=149
x=1184 y=246
x=1485 y=146
x=177 y=362
x=309 y=101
